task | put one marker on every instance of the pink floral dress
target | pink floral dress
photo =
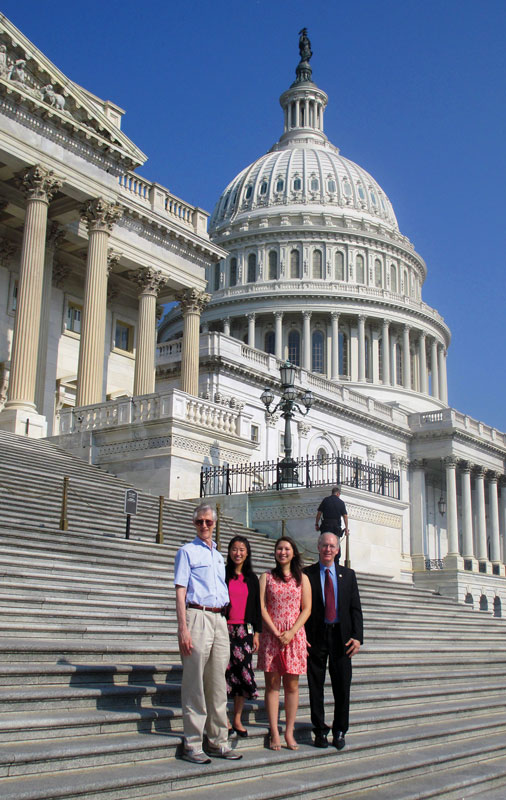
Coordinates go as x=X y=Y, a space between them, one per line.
x=283 y=600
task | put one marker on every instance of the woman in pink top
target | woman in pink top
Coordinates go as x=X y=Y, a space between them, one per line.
x=244 y=626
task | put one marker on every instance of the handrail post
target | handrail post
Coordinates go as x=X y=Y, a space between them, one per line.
x=159 y=532
x=347 y=562
x=218 y=526
x=64 y=523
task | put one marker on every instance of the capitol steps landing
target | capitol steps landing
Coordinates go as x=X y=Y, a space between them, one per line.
x=90 y=673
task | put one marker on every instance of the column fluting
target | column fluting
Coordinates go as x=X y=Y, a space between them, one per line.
x=493 y=510
x=467 y=511
x=406 y=358
x=251 y=330
x=306 y=339
x=278 y=334
x=482 y=553
x=334 y=370
x=385 y=351
x=422 y=355
x=361 y=348
x=192 y=304
x=150 y=281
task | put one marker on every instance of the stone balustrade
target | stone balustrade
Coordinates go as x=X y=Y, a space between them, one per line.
x=172 y=404
x=156 y=198
x=450 y=418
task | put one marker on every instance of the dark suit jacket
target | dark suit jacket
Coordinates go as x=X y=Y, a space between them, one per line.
x=350 y=610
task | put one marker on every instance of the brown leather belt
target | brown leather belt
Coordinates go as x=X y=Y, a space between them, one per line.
x=205 y=608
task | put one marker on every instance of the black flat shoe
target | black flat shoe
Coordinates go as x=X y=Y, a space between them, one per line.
x=241 y=734
x=320 y=740
x=338 y=741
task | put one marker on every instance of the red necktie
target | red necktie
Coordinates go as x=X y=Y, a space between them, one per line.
x=330 y=598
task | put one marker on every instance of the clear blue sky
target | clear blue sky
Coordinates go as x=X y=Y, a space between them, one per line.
x=417 y=96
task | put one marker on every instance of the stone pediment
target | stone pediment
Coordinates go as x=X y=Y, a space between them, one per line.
x=33 y=81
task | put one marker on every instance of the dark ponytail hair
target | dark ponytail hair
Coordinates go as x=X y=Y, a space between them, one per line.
x=295 y=563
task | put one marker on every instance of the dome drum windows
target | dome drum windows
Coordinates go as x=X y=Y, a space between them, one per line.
x=378 y=273
x=252 y=268
x=294 y=348
x=233 y=272
x=360 y=269
x=318 y=352
x=339 y=265
x=294 y=264
x=317 y=265
x=272 y=274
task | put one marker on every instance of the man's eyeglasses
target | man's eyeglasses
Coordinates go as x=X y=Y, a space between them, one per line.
x=208 y=522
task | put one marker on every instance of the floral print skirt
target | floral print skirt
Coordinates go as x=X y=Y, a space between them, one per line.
x=240 y=676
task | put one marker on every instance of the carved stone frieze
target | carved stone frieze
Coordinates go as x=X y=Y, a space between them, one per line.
x=346 y=444
x=175 y=440
x=371 y=452
x=101 y=215
x=308 y=510
x=39 y=183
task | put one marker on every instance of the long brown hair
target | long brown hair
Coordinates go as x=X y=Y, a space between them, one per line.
x=295 y=563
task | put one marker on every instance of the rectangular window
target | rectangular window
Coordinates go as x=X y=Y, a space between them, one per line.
x=255 y=434
x=74 y=317
x=14 y=301
x=124 y=337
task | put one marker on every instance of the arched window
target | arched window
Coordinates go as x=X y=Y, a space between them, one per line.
x=406 y=283
x=252 y=268
x=339 y=266
x=359 y=266
x=331 y=186
x=317 y=265
x=398 y=364
x=314 y=184
x=273 y=265
x=378 y=273
x=393 y=278
x=343 y=354
x=318 y=352
x=263 y=187
x=233 y=271
x=295 y=264
x=249 y=190
x=217 y=274
x=280 y=185
x=322 y=457
x=294 y=348
x=297 y=185
x=270 y=342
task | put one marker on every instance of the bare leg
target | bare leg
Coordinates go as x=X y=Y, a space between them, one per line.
x=238 y=707
x=272 y=685
x=291 y=687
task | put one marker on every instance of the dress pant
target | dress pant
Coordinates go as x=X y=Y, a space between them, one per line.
x=203 y=688
x=329 y=649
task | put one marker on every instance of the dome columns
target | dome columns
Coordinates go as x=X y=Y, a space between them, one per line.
x=385 y=351
x=334 y=373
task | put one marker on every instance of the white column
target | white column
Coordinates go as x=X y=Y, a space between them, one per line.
x=434 y=368
x=150 y=281
x=306 y=339
x=422 y=356
x=453 y=559
x=385 y=351
x=406 y=359
x=39 y=185
x=418 y=515
x=334 y=374
x=503 y=517
x=493 y=511
x=467 y=515
x=278 y=334
x=251 y=330
x=442 y=374
x=192 y=304
x=100 y=217
x=361 y=348
x=54 y=237
x=393 y=362
x=482 y=553
x=226 y=326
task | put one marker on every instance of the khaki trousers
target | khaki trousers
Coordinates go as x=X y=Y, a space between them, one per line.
x=203 y=688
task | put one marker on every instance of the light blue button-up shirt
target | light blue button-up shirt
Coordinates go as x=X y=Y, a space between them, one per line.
x=333 y=575
x=201 y=570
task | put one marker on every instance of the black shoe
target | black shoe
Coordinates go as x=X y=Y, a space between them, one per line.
x=338 y=741
x=242 y=734
x=320 y=740
x=223 y=752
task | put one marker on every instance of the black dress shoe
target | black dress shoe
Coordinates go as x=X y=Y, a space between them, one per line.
x=338 y=741
x=320 y=740
x=241 y=733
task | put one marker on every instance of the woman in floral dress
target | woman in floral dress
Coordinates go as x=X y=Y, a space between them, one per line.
x=285 y=599
x=244 y=626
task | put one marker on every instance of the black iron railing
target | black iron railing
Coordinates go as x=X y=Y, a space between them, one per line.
x=330 y=470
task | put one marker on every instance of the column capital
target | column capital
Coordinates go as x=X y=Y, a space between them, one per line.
x=492 y=476
x=406 y=328
x=335 y=315
x=251 y=316
x=192 y=300
x=362 y=317
x=307 y=314
x=417 y=464
x=60 y=274
x=113 y=259
x=40 y=183
x=149 y=280
x=422 y=335
x=100 y=215
x=451 y=462
x=479 y=471
x=465 y=466
x=278 y=314
x=386 y=323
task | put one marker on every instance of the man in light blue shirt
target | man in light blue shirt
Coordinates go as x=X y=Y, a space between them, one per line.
x=201 y=602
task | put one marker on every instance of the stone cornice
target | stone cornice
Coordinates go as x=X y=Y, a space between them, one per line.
x=459 y=436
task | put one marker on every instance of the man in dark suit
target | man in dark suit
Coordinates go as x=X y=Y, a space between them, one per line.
x=334 y=632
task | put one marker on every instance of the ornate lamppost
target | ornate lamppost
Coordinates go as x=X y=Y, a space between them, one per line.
x=287 y=475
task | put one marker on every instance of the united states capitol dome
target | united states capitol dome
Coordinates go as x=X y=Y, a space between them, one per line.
x=303 y=171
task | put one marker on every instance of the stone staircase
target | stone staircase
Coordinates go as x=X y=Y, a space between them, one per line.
x=90 y=674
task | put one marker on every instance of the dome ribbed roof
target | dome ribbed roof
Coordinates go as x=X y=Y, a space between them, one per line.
x=303 y=178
